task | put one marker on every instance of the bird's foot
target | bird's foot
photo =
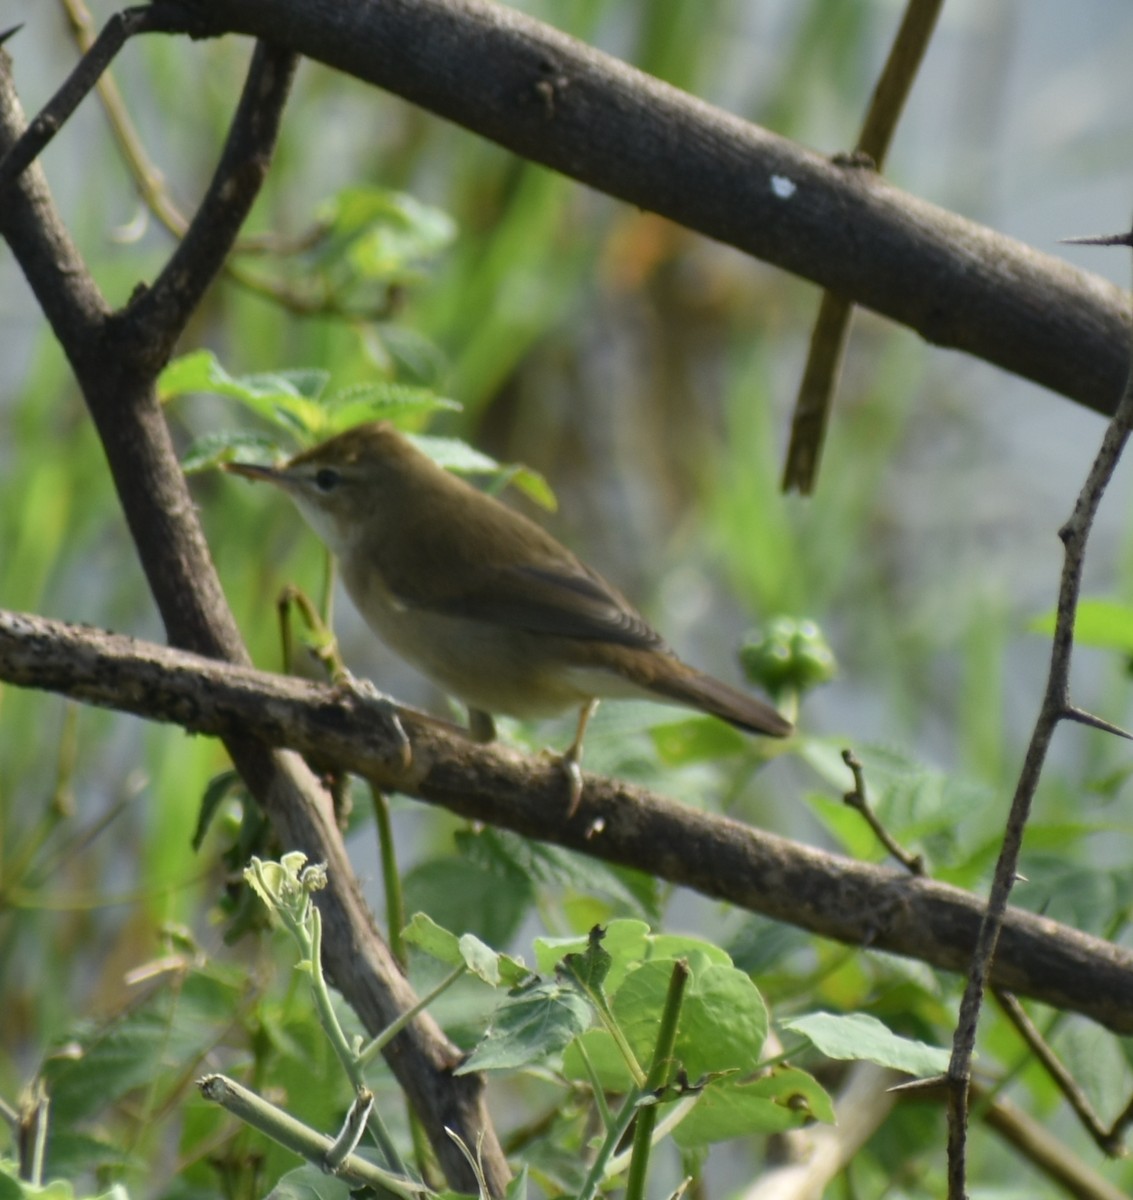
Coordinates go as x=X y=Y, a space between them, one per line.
x=573 y=773
x=367 y=693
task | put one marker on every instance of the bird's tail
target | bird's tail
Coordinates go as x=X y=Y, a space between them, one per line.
x=669 y=679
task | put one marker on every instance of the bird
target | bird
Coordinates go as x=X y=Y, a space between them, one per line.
x=481 y=599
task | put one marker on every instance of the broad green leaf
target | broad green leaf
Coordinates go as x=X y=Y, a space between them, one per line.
x=697 y=740
x=309 y=1182
x=604 y=1057
x=857 y=1036
x=461 y=895
x=467 y=951
x=529 y=1027
x=723 y=1022
x=500 y=850
x=786 y=1098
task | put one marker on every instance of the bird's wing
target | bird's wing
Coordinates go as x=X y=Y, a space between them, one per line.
x=564 y=598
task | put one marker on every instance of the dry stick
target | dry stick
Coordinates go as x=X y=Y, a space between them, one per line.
x=556 y=101
x=153 y=18
x=151 y=185
x=1108 y=1140
x=1053 y=1156
x=861 y=904
x=828 y=341
x=115 y=357
x=857 y=800
x=1056 y=707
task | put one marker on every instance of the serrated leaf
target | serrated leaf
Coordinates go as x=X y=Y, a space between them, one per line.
x=528 y=1028
x=212 y=449
x=624 y=941
x=589 y=968
x=286 y=399
x=858 y=1036
x=383 y=400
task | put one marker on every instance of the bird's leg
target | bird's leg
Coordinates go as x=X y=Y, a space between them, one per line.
x=481 y=727
x=573 y=757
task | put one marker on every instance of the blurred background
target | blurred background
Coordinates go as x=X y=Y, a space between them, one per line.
x=649 y=375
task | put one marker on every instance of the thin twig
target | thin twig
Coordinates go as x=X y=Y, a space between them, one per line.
x=152 y=18
x=857 y=800
x=162 y=311
x=831 y=327
x=1063 y=1080
x=1055 y=707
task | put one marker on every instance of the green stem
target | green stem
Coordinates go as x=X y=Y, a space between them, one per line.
x=611 y=1142
x=658 y=1076
x=391 y=880
x=374 y=1048
x=301 y=1139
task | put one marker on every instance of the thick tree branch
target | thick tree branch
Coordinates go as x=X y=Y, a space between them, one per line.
x=116 y=370
x=835 y=897
x=559 y=102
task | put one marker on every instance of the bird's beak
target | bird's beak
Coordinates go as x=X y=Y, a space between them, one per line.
x=254 y=471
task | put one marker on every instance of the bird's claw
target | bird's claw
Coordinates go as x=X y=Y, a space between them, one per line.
x=573 y=773
x=367 y=693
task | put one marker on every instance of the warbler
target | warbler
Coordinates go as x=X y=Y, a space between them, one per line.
x=481 y=599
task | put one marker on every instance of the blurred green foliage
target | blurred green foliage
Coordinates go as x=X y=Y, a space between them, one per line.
x=645 y=375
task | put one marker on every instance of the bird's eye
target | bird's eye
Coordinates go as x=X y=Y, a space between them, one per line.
x=326 y=479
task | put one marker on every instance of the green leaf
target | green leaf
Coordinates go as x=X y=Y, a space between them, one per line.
x=381 y=235
x=458 y=456
x=542 y=864
x=469 y=951
x=786 y=1098
x=857 y=1036
x=590 y=968
x=383 y=400
x=723 y=1022
x=604 y=1057
x=462 y=895
x=286 y=399
x=211 y=449
x=309 y=1182
x=1105 y=623
x=625 y=941
x=529 y=1027
x=697 y=740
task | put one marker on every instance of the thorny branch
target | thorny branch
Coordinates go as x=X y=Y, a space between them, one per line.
x=1056 y=707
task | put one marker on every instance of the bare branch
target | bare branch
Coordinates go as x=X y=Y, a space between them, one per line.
x=559 y=102
x=158 y=17
x=1055 y=707
x=116 y=367
x=835 y=897
x=831 y=327
x=160 y=314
